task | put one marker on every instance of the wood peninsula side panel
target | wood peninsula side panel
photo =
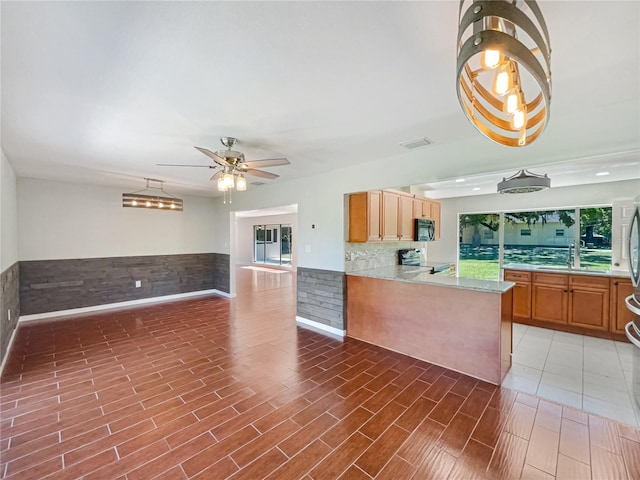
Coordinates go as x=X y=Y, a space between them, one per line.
x=468 y=331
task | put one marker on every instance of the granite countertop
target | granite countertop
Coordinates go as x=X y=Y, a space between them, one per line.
x=409 y=274
x=572 y=271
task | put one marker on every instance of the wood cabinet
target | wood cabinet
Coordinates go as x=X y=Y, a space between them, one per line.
x=587 y=304
x=388 y=216
x=405 y=217
x=550 y=297
x=390 y=207
x=621 y=288
x=521 y=293
x=365 y=211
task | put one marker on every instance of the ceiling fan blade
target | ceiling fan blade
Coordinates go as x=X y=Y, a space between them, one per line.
x=184 y=165
x=267 y=162
x=213 y=156
x=217 y=174
x=261 y=173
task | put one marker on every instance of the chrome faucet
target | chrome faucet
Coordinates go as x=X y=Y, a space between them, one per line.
x=570 y=255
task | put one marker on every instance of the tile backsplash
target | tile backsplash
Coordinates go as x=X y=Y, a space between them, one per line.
x=361 y=256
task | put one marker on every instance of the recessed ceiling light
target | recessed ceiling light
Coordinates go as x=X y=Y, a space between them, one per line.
x=601 y=174
x=460 y=180
x=475 y=189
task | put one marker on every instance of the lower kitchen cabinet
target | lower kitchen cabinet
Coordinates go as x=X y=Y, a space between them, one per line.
x=621 y=288
x=521 y=293
x=587 y=304
x=550 y=296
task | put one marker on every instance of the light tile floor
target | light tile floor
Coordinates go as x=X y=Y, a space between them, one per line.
x=588 y=373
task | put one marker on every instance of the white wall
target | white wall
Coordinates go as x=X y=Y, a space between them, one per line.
x=584 y=195
x=65 y=220
x=320 y=201
x=8 y=215
x=244 y=235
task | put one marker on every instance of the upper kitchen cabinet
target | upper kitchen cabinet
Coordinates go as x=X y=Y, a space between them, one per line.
x=388 y=216
x=365 y=213
x=405 y=217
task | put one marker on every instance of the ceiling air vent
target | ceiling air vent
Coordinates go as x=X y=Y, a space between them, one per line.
x=420 y=142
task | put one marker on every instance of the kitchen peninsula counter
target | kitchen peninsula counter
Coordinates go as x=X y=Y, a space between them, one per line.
x=414 y=274
x=463 y=324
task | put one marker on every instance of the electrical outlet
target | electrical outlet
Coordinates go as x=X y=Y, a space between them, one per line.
x=138 y=283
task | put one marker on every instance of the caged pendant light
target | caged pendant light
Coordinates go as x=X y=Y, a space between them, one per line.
x=504 y=69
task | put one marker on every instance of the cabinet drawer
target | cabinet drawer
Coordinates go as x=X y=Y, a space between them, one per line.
x=589 y=281
x=551 y=278
x=514 y=276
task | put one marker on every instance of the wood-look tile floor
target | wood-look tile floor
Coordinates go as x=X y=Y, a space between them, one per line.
x=212 y=388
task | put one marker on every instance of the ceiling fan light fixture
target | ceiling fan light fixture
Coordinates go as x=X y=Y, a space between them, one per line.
x=504 y=69
x=524 y=182
x=145 y=198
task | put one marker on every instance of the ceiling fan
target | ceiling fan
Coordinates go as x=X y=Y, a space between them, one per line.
x=233 y=166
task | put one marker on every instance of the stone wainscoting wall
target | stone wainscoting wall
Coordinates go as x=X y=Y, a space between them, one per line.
x=9 y=300
x=53 y=285
x=321 y=296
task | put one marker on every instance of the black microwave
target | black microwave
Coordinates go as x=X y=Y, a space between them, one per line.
x=424 y=230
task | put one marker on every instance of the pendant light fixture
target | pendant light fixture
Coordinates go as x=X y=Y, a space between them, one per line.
x=146 y=198
x=524 y=182
x=504 y=69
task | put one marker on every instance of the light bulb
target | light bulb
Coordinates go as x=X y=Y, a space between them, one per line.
x=173 y=205
x=490 y=59
x=518 y=119
x=134 y=203
x=148 y=203
x=222 y=185
x=228 y=180
x=241 y=184
x=160 y=204
x=502 y=81
x=512 y=103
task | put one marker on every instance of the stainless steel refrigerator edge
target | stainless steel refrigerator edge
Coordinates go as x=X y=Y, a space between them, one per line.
x=633 y=300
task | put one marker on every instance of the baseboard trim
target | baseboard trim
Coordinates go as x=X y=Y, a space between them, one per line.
x=110 y=306
x=8 y=350
x=321 y=328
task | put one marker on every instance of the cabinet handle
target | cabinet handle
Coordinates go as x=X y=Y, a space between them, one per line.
x=566 y=291
x=615 y=282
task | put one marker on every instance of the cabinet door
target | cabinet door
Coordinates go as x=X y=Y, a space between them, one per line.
x=389 y=229
x=589 y=308
x=364 y=216
x=435 y=216
x=374 y=203
x=549 y=303
x=405 y=218
x=426 y=209
x=621 y=288
x=589 y=305
x=521 y=293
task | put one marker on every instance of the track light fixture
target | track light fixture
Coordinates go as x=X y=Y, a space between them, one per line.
x=151 y=200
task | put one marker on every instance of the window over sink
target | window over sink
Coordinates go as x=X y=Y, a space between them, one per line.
x=577 y=237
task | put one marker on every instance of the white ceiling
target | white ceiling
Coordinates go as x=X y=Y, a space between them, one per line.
x=99 y=92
